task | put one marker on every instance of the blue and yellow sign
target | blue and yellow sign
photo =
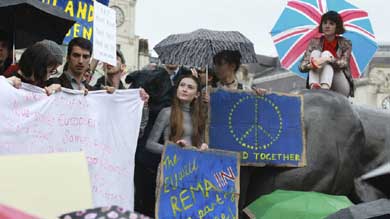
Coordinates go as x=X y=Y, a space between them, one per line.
x=265 y=129
x=82 y=11
x=197 y=184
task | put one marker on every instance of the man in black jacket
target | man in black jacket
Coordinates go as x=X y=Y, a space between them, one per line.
x=78 y=58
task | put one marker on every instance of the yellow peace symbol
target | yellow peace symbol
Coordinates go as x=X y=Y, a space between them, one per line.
x=256 y=128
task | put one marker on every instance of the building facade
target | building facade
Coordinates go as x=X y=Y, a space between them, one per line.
x=373 y=89
x=132 y=47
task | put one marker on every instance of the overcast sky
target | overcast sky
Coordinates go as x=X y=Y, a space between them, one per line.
x=156 y=19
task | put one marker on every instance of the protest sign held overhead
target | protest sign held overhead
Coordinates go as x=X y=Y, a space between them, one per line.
x=104 y=27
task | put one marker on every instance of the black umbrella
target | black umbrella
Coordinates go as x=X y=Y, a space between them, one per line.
x=29 y=21
x=104 y=213
x=379 y=209
x=199 y=47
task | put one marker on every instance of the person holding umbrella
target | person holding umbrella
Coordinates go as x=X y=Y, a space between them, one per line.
x=227 y=63
x=207 y=77
x=327 y=58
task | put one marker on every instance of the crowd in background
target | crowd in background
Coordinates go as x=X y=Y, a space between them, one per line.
x=176 y=97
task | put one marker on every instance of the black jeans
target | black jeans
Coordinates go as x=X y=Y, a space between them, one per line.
x=145 y=189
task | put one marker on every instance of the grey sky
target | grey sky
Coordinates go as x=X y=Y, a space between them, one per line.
x=156 y=19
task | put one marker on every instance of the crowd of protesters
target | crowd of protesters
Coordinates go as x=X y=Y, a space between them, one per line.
x=176 y=97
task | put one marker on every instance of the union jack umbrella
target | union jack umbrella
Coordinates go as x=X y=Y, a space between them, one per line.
x=299 y=23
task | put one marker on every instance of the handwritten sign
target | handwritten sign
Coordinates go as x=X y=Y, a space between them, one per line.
x=197 y=184
x=104 y=126
x=267 y=130
x=104 y=42
x=82 y=11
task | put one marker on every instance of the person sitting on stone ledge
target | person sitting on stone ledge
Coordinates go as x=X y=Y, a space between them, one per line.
x=327 y=58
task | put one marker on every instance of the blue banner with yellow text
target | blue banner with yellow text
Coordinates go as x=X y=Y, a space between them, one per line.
x=266 y=130
x=82 y=11
x=197 y=184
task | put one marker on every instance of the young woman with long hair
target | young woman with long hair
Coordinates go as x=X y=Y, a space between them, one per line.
x=183 y=122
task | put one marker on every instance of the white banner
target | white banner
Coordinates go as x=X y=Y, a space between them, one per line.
x=104 y=33
x=104 y=126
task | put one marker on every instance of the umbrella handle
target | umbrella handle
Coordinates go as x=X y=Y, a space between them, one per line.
x=207 y=79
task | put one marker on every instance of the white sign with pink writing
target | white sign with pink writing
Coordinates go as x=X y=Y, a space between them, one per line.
x=104 y=126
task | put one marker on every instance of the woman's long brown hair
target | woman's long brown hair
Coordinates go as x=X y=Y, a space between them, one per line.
x=197 y=116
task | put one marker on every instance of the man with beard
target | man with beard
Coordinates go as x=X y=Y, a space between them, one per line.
x=114 y=74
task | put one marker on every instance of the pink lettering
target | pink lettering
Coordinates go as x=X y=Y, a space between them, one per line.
x=75 y=121
x=222 y=177
x=92 y=160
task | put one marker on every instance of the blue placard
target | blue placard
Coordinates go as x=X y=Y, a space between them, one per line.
x=82 y=11
x=197 y=184
x=265 y=129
